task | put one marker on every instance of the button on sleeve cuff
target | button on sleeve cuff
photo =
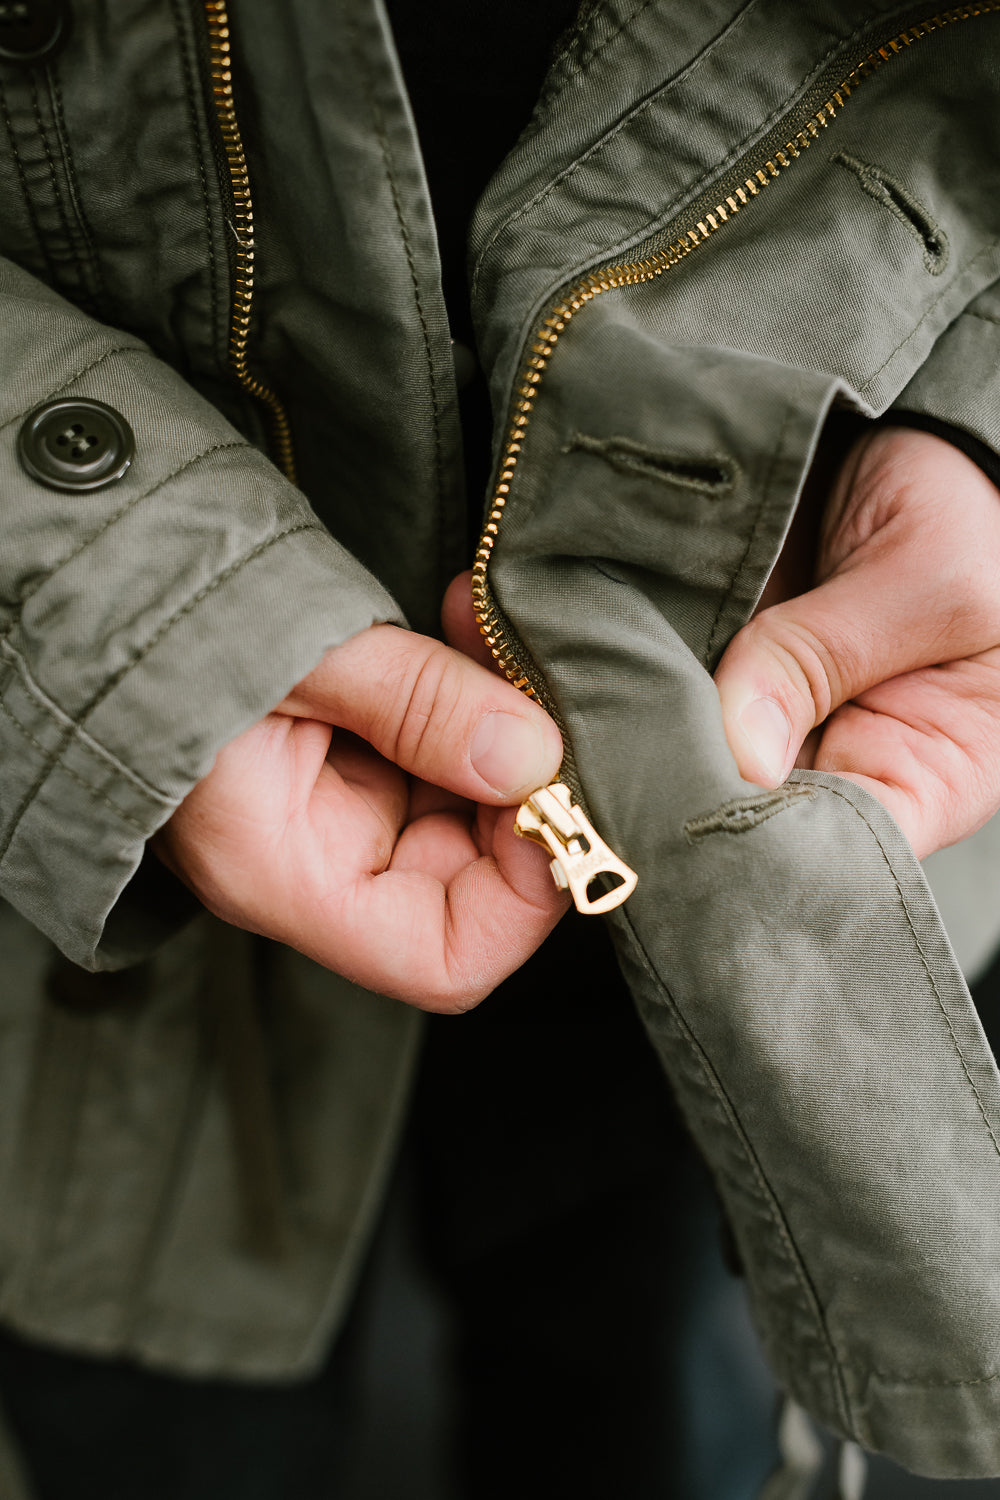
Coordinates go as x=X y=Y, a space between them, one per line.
x=142 y=627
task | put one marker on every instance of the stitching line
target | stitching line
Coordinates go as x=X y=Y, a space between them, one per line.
x=711 y=474
x=882 y=187
x=575 y=67
x=76 y=197
x=751 y=538
x=108 y=687
x=94 y=791
x=933 y=1385
x=571 y=40
x=71 y=380
x=640 y=108
x=744 y=814
x=926 y=965
x=768 y=1200
x=23 y=181
x=57 y=197
x=693 y=190
x=18 y=667
x=586 y=58
x=190 y=95
x=185 y=609
x=986 y=250
x=110 y=521
x=383 y=141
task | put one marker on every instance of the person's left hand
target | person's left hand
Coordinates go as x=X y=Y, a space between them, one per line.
x=893 y=658
x=367 y=821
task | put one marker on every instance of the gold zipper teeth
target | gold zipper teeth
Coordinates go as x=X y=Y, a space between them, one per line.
x=220 y=60
x=632 y=273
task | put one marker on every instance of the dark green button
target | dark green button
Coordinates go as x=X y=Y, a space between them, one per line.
x=32 y=31
x=75 y=445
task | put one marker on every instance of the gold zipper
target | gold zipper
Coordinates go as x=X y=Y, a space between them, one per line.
x=220 y=67
x=581 y=862
x=542 y=821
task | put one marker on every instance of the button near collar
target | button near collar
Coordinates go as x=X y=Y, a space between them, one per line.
x=32 y=31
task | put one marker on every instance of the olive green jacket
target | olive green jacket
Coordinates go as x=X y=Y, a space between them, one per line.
x=723 y=220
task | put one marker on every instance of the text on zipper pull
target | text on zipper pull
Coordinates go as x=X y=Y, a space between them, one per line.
x=582 y=863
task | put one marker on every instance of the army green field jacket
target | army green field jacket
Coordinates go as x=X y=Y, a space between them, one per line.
x=723 y=220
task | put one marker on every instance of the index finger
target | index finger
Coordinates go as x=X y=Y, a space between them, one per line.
x=435 y=713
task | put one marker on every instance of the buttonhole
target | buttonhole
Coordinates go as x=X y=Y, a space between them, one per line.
x=744 y=813
x=887 y=190
x=710 y=475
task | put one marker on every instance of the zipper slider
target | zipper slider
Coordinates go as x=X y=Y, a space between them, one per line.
x=580 y=856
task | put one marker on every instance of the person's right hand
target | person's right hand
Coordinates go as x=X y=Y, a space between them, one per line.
x=365 y=823
x=890 y=663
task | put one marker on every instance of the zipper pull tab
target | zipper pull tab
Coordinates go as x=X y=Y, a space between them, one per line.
x=580 y=855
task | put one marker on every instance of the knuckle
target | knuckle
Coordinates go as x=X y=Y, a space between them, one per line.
x=424 y=708
x=809 y=667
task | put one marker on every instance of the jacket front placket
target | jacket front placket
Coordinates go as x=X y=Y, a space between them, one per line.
x=782 y=946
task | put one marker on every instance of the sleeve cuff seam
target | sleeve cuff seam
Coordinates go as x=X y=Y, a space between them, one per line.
x=124 y=510
x=81 y=781
x=203 y=593
x=73 y=728
x=72 y=732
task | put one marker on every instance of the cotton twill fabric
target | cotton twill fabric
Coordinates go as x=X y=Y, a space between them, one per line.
x=624 y=581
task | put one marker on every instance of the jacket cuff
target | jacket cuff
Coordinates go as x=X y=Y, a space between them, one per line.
x=144 y=625
x=956 y=392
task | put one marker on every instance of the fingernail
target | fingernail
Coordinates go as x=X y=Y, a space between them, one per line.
x=508 y=753
x=769 y=734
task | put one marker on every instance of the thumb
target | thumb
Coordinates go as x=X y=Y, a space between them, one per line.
x=434 y=713
x=914 y=527
x=787 y=670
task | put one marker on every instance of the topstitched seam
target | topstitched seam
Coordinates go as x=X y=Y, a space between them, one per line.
x=190 y=96
x=97 y=793
x=380 y=131
x=110 y=521
x=751 y=537
x=885 y=189
x=586 y=58
x=926 y=966
x=932 y=1385
x=76 y=196
x=706 y=474
x=109 y=686
x=985 y=251
x=575 y=67
x=57 y=196
x=71 y=380
x=767 y=1198
x=23 y=183
x=691 y=190
x=84 y=743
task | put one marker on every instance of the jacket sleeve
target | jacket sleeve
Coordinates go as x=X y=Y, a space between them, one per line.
x=143 y=625
x=959 y=384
